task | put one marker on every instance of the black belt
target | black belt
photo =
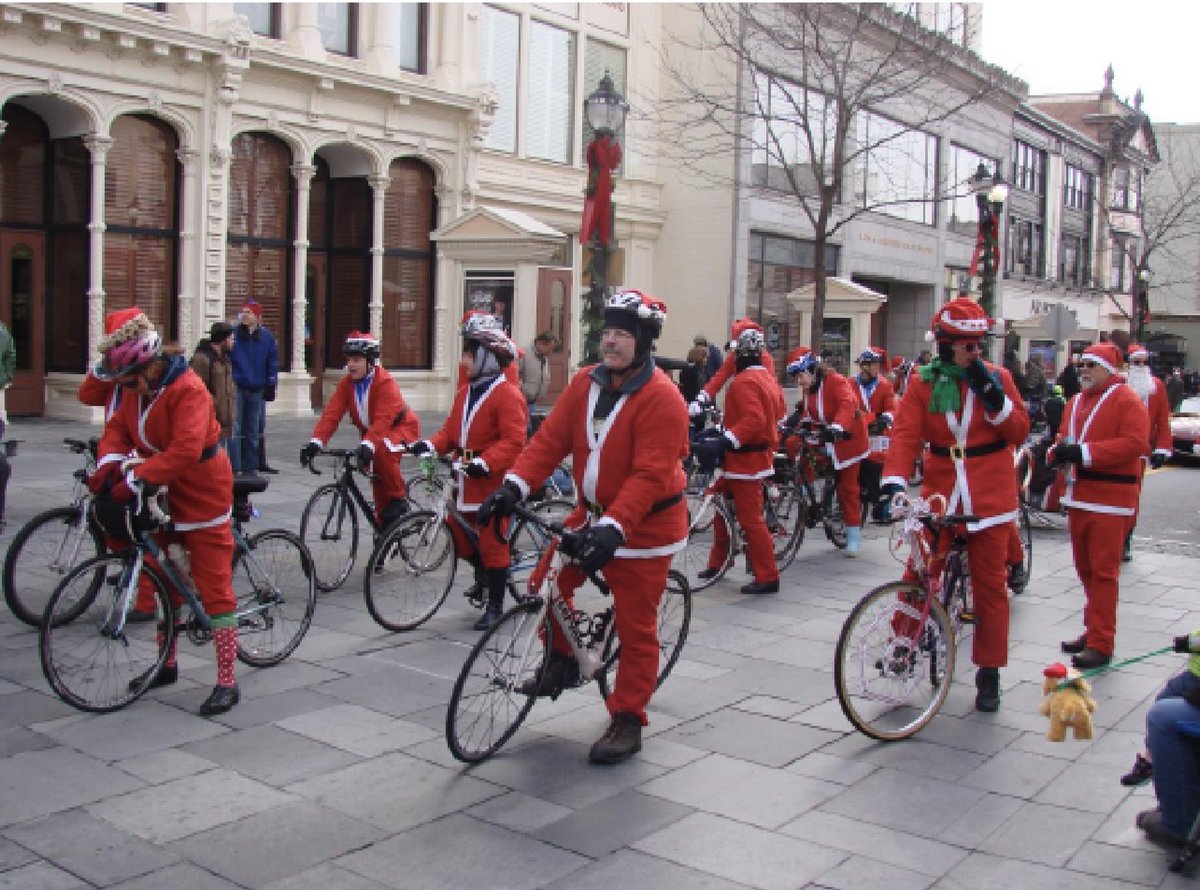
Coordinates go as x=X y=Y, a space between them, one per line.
x=957 y=452
x=657 y=507
x=749 y=449
x=210 y=452
x=1097 y=476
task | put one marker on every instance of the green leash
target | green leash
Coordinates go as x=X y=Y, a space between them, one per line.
x=1112 y=666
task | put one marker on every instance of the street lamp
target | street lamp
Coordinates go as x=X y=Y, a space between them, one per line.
x=990 y=194
x=1141 y=303
x=605 y=110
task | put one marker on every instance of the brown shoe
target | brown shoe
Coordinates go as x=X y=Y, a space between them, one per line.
x=1074 y=647
x=620 y=741
x=1090 y=658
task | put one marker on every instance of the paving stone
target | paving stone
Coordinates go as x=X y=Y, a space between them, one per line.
x=1119 y=863
x=27 y=707
x=519 y=812
x=612 y=823
x=980 y=821
x=629 y=868
x=163 y=766
x=13 y=855
x=770 y=706
x=485 y=855
x=765 y=740
x=1045 y=834
x=325 y=877
x=893 y=846
x=90 y=848
x=271 y=754
x=183 y=876
x=891 y=798
x=916 y=756
x=981 y=871
x=391 y=691
x=39 y=876
x=145 y=727
x=751 y=856
x=820 y=765
x=859 y=872
x=14 y=741
x=1084 y=787
x=37 y=783
x=258 y=708
x=1018 y=773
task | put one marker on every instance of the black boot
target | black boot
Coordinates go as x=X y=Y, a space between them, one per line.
x=262 y=456
x=497 y=584
x=475 y=592
x=987 y=684
x=1127 y=552
x=165 y=676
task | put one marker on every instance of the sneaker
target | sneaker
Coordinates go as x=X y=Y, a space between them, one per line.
x=562 y=672
x=1090 y=658
x=1141 y=773
x=620 y=741
x=1151 y=822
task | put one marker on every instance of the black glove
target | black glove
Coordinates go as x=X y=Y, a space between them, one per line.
x=1068 y=454
x=1157 y=460
x=424 y=446
x=364 y=454
x=596 y=545
x=1184 y=645
x=985 y=386
x=876 y=427
x=268 y=393
x=499 y=503
x=477 y=469
x=308 y=452
x=710 y=451
x=834 y=433
x=889 y=490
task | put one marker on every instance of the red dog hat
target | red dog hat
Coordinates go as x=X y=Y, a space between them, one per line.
x=1106 y=355
x=960 y=319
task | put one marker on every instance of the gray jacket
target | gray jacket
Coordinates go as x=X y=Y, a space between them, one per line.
x=535 y=375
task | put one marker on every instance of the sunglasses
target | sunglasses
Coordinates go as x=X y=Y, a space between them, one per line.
x=1087 y=364
x=969 y=345
x=1138 y=361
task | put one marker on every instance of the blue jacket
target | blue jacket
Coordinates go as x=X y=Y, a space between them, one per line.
x=255 y=358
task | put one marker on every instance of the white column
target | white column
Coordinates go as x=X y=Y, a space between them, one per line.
x=303 y=174
x=382 y=53
x=98 y=146
x=189 y=203
x=449 y=285
x=379 y=186
x=306 y=36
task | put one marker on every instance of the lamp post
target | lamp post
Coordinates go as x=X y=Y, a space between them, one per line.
x=605 y=109
x=1141 y=303
x=990 y=194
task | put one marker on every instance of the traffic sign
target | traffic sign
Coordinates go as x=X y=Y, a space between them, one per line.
x=1060 y=323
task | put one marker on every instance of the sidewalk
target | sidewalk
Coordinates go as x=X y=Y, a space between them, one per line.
x=334 y=773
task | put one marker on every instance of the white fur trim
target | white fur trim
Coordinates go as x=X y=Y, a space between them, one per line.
x=732 y=439
x=1003 y=415
x=520 y=483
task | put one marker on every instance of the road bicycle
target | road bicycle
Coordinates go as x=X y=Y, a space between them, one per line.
x=95 y=659
x=814 y=477
x=895 y=656
x=412 y=567
x=490 y=701
x=52 y=543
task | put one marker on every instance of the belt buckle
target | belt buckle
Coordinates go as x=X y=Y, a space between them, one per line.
x=596 y=510
x=958 y=453
x=469 y=454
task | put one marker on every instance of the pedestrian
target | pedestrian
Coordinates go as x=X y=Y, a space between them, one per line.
x=827 y=398
x=753 y=407
x=164 y=432
x=692 y=376
x=213 y=366
x=486 y=423
x=712 y=355
x=1103 y=436
x=966 y=416
x=1035 y=377
x=728 y=367
x=534 y=368
x=1068 y=378
x=1153 y=393
x=627 y=428
x=877 y=400
x=256 y=374
x=1174 y=386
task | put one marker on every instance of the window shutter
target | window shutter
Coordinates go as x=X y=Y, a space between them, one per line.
x=351 y=213
x=21 y=167
x=499 y=56
x=549 y=120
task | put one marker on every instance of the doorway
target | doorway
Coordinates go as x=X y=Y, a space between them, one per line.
x=554 y=315
x=315 y=308
x=22 y=309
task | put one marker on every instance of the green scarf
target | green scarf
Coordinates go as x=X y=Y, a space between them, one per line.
x=945 y=377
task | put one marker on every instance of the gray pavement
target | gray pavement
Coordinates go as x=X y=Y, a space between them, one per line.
x=333 y=771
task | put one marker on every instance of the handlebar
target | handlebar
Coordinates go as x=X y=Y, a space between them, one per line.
x=78 y=446
x=565 y=536
x=345 y=455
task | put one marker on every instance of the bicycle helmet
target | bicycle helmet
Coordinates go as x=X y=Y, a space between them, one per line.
x=129 y=344
x=802 y=359
x=870 y=354
x=477 y=322
x=647 y=312
x=359 y=343
x=497 y=342
x=750 y=342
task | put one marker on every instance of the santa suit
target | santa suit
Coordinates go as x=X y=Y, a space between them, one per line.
x=175 y=430
x=490 y=426
x=1111 y=424
x=384 y=421
x=754 y=406
x=99 y=394
x=729 y=368
x=832 y=401
x=977 y=481
x=878 y=401
x=628 y=469
x=1158 y=408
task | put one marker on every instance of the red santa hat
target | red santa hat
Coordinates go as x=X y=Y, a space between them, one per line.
x=1107 y=355
x=896 y=363
x=253 y=306
x=960 y=319
x=1137 y=350
x=122 y=325
x=1058 y=671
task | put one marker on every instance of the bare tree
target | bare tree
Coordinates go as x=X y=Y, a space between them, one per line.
x=822 y=97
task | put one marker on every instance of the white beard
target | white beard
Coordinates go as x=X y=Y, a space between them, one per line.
x=1140 y=381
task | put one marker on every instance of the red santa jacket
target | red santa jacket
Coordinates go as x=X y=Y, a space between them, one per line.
x=382 y=416
x=834 y=401
x=629 y=466
x=754 y=406
x=99 y=394
x=881 y=402
x=175 y=429
x=729 y=368
x=1112 y=426
x=493 y=430
x=981 y=482
x=1158 y=407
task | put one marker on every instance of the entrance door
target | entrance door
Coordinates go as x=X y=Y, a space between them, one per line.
x=554 y=315
x=23 y=310
x=315 y=308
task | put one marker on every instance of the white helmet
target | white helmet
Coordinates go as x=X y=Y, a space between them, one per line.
x=650 y=310
x=750 y=342
x=479 y=322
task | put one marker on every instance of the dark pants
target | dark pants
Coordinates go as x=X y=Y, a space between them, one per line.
x=246 y=430
x=5 y=472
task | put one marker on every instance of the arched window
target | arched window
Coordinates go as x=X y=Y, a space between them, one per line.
x=410 y=214
x=22 y=166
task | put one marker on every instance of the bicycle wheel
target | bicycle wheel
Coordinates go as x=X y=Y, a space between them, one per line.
x=835 y=522
x=410 y=572
x=329 y=529
x=1025 y=533
x=424 y=493
x=276 y=592
x=707 y=515
x=674 y=619
x=785 y=519
x=487 y=704
x=527 y=542
x=892 y=671
x=47 y=547
x=88 y=662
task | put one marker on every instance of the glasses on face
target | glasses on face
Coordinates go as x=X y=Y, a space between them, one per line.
x=969 y=345
x=1140 y=362
x=1087 y=364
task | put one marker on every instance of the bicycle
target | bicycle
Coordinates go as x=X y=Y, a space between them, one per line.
x=488 y=705
x=895 y=656
x=412 y=567
x=815 y=482
x=51 y=543
x=96 y=660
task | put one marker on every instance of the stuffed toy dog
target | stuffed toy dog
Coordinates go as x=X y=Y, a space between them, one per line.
x=1067 y=703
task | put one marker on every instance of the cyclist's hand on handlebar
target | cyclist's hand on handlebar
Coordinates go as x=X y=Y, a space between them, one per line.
x=596 y=545
x=834 y=433
x=363 y=455
x=889 y=490
x=104 y=478
x=125 y=490
x=499 y=503
x=477 y=469
x=418 y=448
x=1157 y=460
x=308 y=452
x=1067 y=454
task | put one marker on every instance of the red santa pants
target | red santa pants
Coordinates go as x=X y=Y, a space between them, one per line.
x=849 y=494
x=493 y=549
x=388 y=484
x=747 y=497
x=1096 y=543
x=210 y=555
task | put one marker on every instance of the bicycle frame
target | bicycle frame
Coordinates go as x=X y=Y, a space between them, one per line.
x=348 y=486
x=922 y=521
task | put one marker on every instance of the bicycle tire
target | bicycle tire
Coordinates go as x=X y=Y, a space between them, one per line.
x=86 y=667
x=787 y=510
x=527 y=542
x=410 y=572
x=878 y=671
x=45 y=549
x=702 y=525
x=323 y=531
x=424 y=493
x=835 y=522
x=276 y=592
x=486 y=706
x=674 y=620
x=1025 y=533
